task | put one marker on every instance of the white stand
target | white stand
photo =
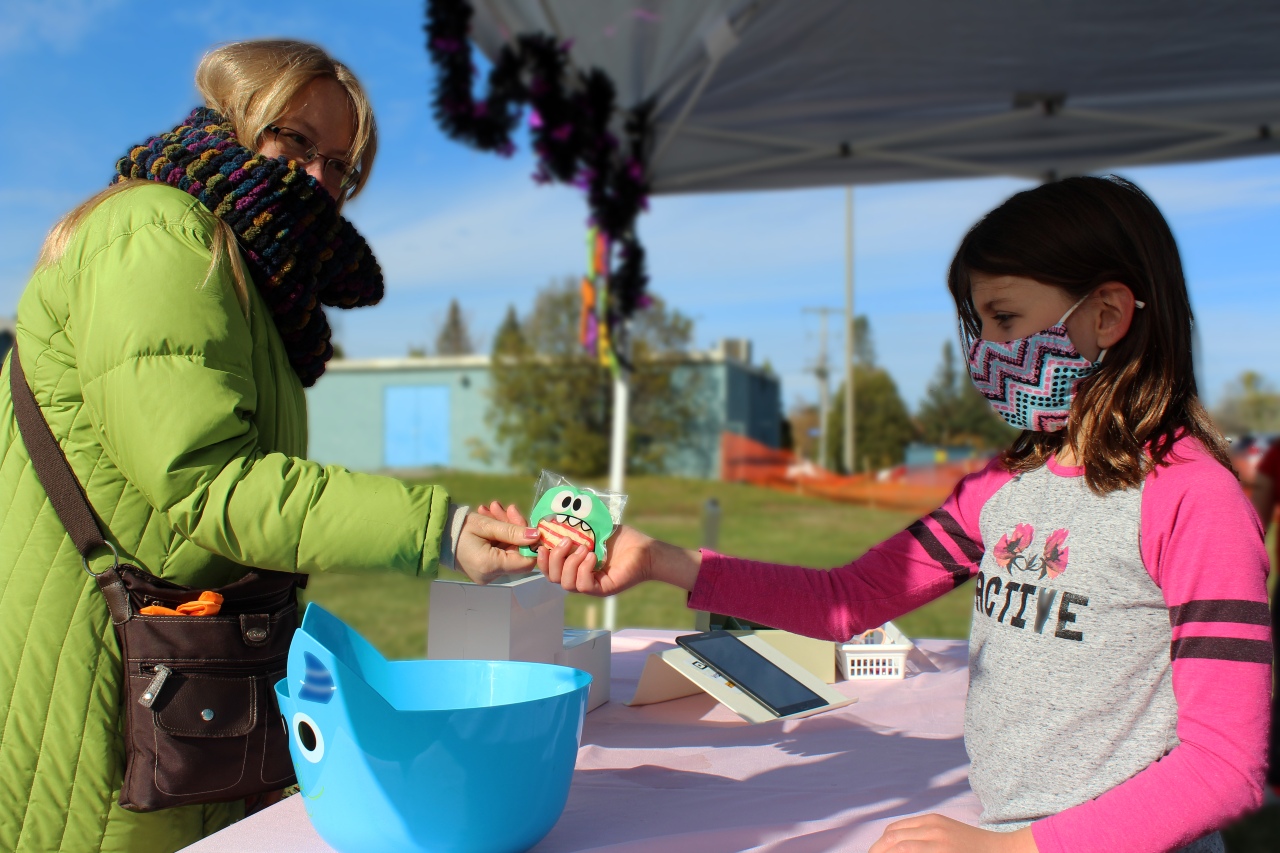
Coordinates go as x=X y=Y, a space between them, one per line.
x=520 y=619
x=589 y=651
x=676 y=673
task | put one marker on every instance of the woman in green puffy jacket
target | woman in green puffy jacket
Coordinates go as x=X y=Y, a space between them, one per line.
x=170 y=327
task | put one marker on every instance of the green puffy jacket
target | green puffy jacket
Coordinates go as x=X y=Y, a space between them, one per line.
x=188 y=429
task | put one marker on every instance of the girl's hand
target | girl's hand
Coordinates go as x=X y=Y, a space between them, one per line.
x=933 y=833
x=628 y=562
x=632 y=559
x=488 y=546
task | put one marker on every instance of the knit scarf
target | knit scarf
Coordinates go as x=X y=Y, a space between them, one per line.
x=302 y=254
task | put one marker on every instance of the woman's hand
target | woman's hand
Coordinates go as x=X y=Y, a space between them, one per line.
x=933 y=833
x=496 y=510
x=632 y=558
x=489 y=544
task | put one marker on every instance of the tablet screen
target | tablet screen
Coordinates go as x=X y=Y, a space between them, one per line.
x=755 y=674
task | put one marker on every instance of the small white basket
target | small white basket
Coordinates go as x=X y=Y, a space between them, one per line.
x=878 y=653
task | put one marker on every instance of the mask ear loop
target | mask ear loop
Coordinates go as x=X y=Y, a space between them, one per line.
x=1073 y=308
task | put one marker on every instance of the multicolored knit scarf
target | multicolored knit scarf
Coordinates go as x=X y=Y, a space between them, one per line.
x=301 y=252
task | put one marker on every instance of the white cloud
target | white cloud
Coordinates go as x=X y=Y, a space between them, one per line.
x=494 y=234
x=1236 y=186
x=750 y=244
x=745 y=265
x=57 y=24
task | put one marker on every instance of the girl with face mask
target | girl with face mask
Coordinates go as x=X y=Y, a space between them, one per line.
x=1119 y=656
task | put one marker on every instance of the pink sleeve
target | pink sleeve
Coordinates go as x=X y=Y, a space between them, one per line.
x=931 y=557
x=1203 y=546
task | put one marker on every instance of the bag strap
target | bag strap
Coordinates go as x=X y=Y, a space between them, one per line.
x=52 y=468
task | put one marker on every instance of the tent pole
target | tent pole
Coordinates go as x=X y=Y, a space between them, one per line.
x=617 y=465
x=850 y=457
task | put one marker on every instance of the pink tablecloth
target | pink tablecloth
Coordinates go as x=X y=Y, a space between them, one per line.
x=689 y=775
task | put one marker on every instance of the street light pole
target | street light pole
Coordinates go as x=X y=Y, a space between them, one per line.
x=849 y=343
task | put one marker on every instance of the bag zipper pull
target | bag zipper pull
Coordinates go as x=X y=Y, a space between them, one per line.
x=152 y=692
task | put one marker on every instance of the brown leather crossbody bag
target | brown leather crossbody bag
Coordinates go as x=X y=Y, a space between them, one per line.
x=200 y=718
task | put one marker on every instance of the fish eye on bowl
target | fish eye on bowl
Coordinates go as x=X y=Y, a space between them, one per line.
x=310 y=741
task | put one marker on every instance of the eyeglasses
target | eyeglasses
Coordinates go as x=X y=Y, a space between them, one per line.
x=296 y=146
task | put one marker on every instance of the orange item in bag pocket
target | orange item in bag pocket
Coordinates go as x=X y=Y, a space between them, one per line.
x=208 y=604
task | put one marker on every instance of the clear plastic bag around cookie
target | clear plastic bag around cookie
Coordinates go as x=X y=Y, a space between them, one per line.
x=582 y=514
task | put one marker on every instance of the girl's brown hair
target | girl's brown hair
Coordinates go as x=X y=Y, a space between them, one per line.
x=1077 y=234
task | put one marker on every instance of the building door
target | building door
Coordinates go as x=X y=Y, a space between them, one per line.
x=416 y=425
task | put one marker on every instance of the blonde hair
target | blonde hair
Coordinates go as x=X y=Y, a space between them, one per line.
x=250 y=83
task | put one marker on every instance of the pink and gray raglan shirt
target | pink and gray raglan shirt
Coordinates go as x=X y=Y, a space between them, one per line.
x=1120 y=656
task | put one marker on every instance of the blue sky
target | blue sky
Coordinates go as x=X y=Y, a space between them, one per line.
x=84 y=79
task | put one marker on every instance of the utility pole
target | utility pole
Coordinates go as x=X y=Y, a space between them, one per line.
x=822 y=372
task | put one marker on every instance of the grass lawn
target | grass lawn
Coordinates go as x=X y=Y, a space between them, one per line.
x=759 y=523
x=391 y=611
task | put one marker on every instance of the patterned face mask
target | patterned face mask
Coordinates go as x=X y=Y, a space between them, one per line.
x=1031 y=381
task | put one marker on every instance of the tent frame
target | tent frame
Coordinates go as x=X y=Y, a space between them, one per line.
x=882 y=147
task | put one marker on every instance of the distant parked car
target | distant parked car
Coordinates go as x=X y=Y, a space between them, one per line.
x=1246 y=452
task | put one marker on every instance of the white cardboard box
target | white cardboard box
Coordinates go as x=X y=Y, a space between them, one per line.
x=522 y=619
x=589 y=651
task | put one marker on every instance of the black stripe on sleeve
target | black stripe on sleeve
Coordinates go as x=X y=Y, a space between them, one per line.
x=1221 y=648
x=1221 y=610
x=952 y=528
x=935 y=549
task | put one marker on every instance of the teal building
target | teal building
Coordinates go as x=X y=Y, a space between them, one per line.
x=407 y=413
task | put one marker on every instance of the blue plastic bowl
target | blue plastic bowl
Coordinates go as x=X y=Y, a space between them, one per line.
x=427 y=755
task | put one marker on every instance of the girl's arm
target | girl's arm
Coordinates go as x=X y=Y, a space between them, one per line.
x=931 y=557
x=1202 y=544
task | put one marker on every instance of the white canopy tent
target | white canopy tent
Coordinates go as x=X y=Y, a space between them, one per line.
x=753 y=94
x=763 y=94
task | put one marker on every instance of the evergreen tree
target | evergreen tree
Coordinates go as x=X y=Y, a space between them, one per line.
x=454 y=338
x=509 y=335
x=864 y=347
x=954 y=413
x=551 y=401
x=882 y=425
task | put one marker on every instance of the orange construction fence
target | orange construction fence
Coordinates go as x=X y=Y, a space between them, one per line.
x=743 y=460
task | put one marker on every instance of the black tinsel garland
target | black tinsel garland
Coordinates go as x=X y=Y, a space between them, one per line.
x=570 y=124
